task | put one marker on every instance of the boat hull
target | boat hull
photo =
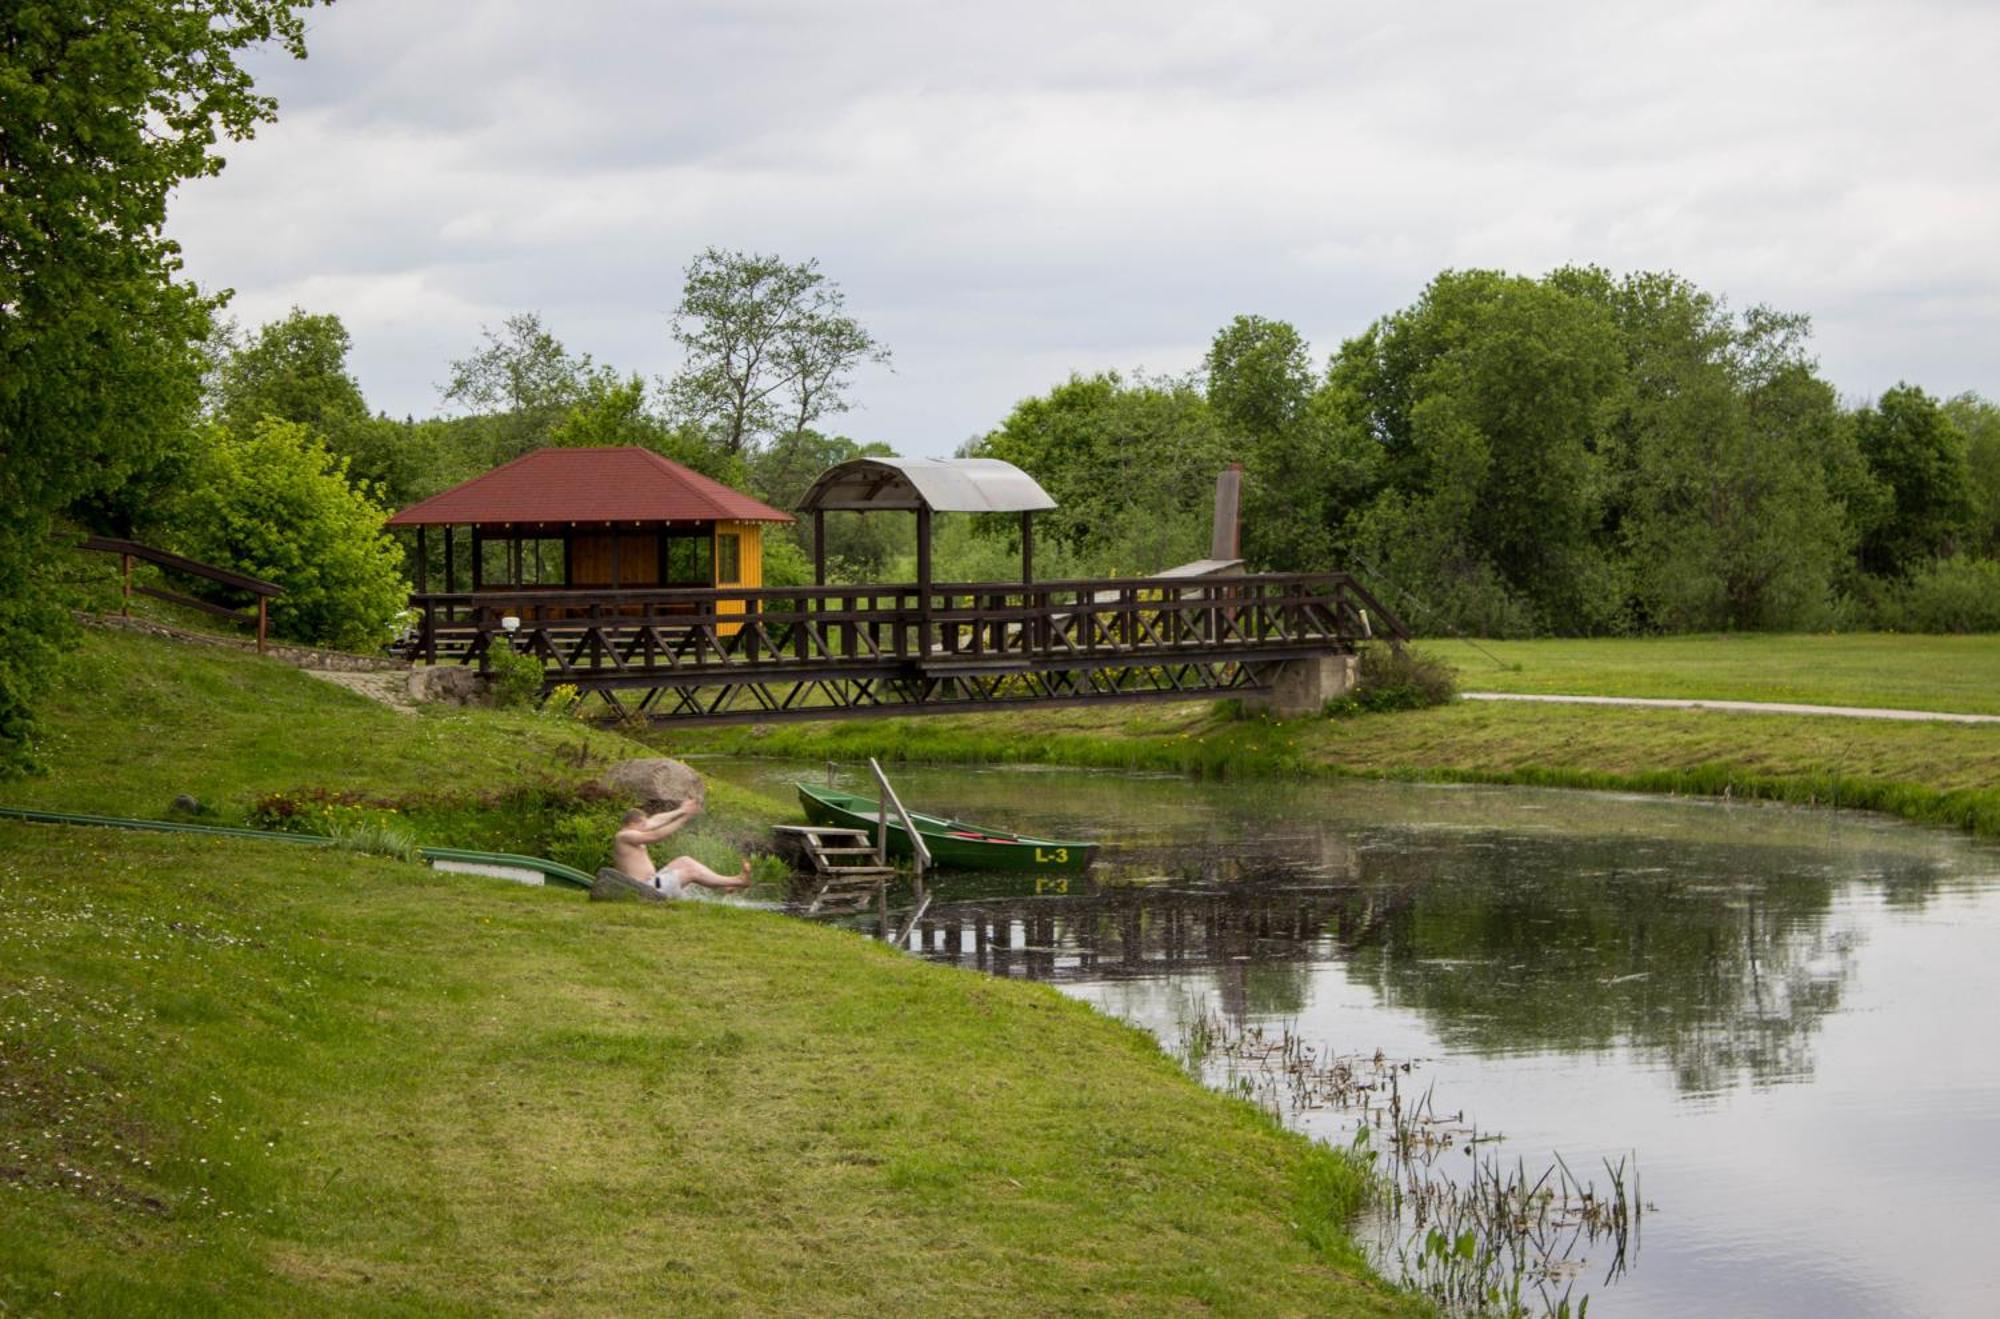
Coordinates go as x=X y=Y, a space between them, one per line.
x=953 y=844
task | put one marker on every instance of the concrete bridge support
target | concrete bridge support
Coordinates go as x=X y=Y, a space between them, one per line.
x=1302 y=687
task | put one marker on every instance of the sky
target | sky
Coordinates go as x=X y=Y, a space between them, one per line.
x=1011 y=192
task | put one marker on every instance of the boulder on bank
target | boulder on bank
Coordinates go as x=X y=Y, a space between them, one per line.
x=449 y=683
x=655 y=783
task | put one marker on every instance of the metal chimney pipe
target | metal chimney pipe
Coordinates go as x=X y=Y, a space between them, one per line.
x=1226 y=536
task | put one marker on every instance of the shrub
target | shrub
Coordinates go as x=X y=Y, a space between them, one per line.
x=275 y=504
x=1397 y=679
x=581 y=840
x=376 y=837
x=514 y=680
x=1953 y=595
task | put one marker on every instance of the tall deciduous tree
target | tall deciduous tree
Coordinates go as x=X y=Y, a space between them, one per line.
x=1920 y=458
x=521 y=384
x=105 y=107
x=769 y=345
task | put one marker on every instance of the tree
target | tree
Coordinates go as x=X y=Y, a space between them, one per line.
x=769 y=345
x=1979 y=421
x=274 y=503
x=1919 y=456
x=295 y=369
x=1131 y=466
x=522 y=383
x=1259 y=376
x=612 y=409
x=105 y=108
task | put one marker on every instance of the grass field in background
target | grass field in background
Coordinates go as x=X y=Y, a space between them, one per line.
x=1960 y=674
x=238 y=1077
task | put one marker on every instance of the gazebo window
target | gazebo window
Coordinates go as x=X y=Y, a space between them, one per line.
x=687 y=560
x=729 y=559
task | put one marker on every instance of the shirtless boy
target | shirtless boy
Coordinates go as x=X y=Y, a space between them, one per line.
x=678 y=876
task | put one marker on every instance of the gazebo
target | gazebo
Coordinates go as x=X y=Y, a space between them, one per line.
x=925 y=486
x=593 y=519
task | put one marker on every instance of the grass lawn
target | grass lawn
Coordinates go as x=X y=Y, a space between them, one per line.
x=250 y=1077
x=1960 y=674
x=136 y=720
x=235 y=1078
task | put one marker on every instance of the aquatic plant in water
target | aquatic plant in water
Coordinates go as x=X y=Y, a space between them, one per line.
x=1487 y=1239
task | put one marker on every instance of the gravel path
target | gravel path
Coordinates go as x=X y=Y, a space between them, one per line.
x=1746 y=707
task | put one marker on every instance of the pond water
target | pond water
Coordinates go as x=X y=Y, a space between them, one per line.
x=1786 y=1017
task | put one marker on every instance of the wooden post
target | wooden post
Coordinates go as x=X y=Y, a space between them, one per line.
x=423 y=562
x=1027 y=546
x=923 y=582
x=450 y=563
x=263 y=620
x=126 y=560
x=478 y=559
x=819 y=547
x=615 y=538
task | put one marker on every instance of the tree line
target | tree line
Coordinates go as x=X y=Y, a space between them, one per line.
x=1579 y=454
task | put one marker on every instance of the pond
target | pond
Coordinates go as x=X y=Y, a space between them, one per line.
x=1784 y=1018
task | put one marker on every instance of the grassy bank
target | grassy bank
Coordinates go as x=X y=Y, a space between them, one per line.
x=233 y=1080
x=1938 y=774
x=135 y=721
x=250 y=1077
x=1903 y=672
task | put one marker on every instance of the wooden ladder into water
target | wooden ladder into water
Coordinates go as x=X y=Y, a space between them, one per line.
x=850 y=871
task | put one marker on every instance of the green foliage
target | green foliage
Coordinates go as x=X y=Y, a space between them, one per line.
x=1921 y=460
x=514 y=680
x=1952 y=595
x=104 y=110
x=295 y=369
x=275 y=504
x=1131 y=467
x=581 y=839
x=1392 y=678
x=770 y=347
x=1979 y=421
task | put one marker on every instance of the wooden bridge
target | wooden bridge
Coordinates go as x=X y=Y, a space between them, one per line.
x=816 y=652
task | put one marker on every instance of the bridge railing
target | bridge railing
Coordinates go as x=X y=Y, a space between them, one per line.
x=597 y=634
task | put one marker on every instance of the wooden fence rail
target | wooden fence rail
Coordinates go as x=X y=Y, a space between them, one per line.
x=129 y=550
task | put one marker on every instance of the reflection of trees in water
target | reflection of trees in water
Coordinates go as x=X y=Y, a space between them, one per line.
x=1719 y=958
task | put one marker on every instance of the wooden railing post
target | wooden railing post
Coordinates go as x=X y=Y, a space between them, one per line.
x=263 y=620
x=125 y=560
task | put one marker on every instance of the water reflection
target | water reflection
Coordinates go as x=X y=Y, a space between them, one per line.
x=1719 y=957
x=1779 y=1011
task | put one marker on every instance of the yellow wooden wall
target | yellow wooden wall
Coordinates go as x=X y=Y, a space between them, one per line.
x=750 y=565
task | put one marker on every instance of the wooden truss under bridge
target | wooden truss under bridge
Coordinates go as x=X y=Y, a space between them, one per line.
x=740 y=655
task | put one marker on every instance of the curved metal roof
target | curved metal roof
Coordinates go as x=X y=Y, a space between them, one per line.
x=944 y=485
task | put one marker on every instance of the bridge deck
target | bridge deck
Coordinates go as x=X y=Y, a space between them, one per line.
x=734 y=654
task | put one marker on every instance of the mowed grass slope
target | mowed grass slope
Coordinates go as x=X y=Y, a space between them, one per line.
x=244 y=1077
x=135 y=720
x=235 y=1078
x=1960 y=674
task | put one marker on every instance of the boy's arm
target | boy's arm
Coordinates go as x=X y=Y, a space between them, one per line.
x=662 y=825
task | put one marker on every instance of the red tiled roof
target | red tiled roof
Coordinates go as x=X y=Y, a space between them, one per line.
x=624 y=484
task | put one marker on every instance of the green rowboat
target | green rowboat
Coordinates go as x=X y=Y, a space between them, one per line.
x=953 y=844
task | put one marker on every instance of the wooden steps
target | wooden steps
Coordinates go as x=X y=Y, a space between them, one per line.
x=830 y=855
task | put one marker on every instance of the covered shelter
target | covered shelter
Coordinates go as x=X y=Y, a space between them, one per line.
x=591 y=520
x=925 y=486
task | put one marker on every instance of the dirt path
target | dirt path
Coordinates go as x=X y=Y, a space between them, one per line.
x=1746 y=707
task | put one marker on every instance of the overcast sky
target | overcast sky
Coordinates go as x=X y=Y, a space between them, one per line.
x=1012 y=191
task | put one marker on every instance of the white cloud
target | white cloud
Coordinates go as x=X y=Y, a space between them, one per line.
x=1009 y=192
